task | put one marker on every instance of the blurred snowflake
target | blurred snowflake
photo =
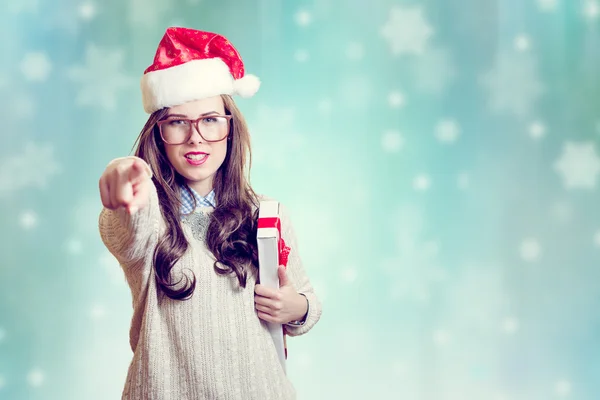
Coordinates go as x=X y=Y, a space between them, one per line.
x=396 y=99
x=591 y=10
x=597 y=238
x=28 y=219
x=101 y=77
x=303 y=18
x=70 y=15
x=434 y=71
x=36 y=377
x=18 y=172
x=36 y=66
x=537 y=130
x=407 y=31
x=147 y=14
x=522 y=42
x=579 y=165
x=513 y=84
x=530 y=249
x=547 y=5
x=23 y=6
x=392 y=141
x=355 y=51
x=447 y=131
x=422 y=182
x=562 y=388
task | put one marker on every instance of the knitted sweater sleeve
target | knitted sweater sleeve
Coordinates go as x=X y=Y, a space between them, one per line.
x=298 y=277
x=131 y=238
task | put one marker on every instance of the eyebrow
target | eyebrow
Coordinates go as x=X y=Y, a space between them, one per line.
x=185 y=116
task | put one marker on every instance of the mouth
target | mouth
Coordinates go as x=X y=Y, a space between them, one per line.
x=196 y=158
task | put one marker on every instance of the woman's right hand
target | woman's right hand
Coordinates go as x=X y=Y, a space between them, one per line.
x=126 y=183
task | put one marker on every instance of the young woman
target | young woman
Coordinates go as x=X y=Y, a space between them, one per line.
x=181 y=218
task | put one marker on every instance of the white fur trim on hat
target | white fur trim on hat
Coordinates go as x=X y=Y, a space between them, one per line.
x=194 y=80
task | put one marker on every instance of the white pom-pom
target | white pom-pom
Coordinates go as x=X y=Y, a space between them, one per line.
x=247 y=86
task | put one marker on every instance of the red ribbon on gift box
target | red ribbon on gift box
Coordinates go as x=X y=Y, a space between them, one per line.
x=274 y=222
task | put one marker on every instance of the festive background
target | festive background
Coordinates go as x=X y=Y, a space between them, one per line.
x=440 y=160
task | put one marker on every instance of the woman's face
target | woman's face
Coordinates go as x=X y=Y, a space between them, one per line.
x=197 y=160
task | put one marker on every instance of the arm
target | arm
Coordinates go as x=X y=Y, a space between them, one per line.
x=297 y=275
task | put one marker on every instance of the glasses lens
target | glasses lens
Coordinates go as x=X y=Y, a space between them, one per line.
x=213 y=127
x=175 y=131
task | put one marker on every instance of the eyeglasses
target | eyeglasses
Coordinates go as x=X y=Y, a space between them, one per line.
x=212 y=128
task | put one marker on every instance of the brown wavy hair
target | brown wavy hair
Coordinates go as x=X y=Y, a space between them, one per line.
x=231 y=235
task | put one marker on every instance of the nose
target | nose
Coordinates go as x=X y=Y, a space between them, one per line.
x=195 y=136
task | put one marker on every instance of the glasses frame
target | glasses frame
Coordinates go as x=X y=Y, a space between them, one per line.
x=194 y=123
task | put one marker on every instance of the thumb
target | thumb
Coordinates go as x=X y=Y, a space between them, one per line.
x=283 y=278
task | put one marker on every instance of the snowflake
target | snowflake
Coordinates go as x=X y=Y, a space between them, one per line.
x=349 y=274
x=537 y=130
x=530 y=249
x=513 y=84
x=36 y=66
x=28 y=220
x=591 y=10
x=392 y=141
x=98 y=311
x=355 y=51
x=87 y=11
x=73 y=246
x=70 y=15
x=24 y=6
x=510 y=325
x=325 y=106
x=301 y=55
x=101 y=78
x=434 y=71
x=579 y=165
x=422 y=182
x=562 y=388
x=447 y=131
x=303 y=18
x=441 y=337
x=407 y=31
x=522 y=43
x=147 y=14
x=547 y=5
x=396 y=99
x=17 y=172
x=36 y=377
x=463 y=180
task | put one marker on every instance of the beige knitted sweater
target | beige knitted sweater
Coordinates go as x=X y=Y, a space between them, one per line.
x=212 y=346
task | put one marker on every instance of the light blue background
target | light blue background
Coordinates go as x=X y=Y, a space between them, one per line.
x=440 y=160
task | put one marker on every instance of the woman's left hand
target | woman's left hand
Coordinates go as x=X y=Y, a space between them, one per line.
x=281 y=305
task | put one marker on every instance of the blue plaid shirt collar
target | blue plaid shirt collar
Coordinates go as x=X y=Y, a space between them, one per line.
x=188 y=201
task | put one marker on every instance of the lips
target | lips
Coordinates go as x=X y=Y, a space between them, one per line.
x=196 y=157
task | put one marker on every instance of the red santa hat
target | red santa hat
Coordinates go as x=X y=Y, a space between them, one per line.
x=192 y=65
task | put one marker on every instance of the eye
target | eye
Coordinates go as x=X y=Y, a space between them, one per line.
x=174 y=122
x=210 y=120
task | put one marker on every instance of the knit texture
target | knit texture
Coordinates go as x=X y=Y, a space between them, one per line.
x=212 y=346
